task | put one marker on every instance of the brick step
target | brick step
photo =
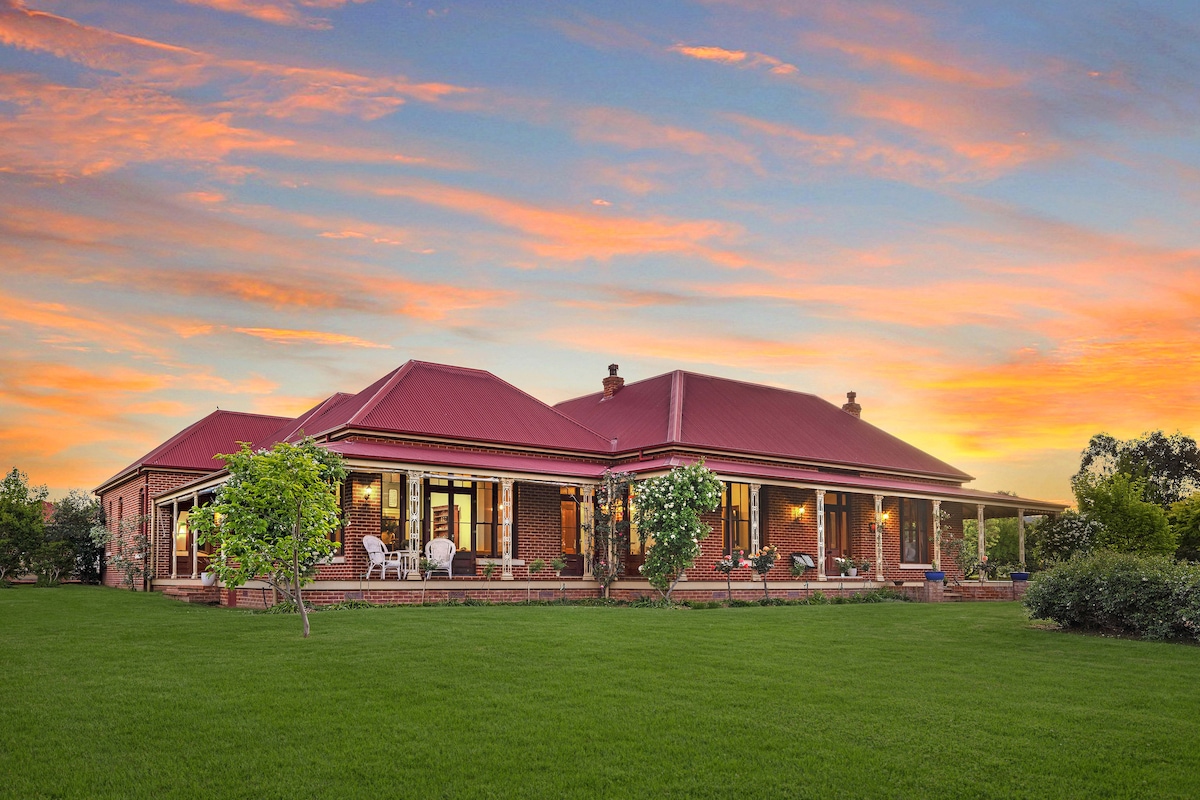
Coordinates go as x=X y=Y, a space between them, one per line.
x=193 y=594
x=952 y=597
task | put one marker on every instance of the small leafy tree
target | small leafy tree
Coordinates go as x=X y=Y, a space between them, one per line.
x=73 y=520
x=1185 y=524
x=558 y=565
x=1128 y=523
x=131 y=549
x=535 y=567
x=273 y=517
x=610 y=528
x=489 y=569
x=668 y=511
x=728 y=563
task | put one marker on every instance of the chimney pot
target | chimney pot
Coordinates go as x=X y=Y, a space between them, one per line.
x=613 y=383
x=851 y=407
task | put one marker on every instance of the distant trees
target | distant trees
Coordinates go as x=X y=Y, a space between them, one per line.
x=53 y=549
x=1140 y=495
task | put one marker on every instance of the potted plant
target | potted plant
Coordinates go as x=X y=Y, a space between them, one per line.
x=208 y=578
x=1021 y=573
x=847 y=567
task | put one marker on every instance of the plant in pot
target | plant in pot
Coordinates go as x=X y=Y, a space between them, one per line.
x=1021 y=573
x=847 y=567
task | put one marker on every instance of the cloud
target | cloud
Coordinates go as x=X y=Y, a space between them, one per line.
x=276 y=12
x=635 y=131
x=931 y=63
x=571 y=235
x=286 y=336
x=739 y=58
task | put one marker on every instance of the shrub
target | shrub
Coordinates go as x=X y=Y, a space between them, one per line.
x=1153 y=597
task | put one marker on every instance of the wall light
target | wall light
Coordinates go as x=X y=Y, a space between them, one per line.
x=367 y=492
x=797 y=512
x=885 y=516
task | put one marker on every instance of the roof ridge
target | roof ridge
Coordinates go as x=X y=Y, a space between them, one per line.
x=675 y=412
x=567 y=417
x=397 y=375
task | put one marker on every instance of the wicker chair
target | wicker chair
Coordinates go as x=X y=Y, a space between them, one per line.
x=380 y=556
x=441 y=552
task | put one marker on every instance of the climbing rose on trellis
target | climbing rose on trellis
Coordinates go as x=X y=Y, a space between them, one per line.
x=668 y=515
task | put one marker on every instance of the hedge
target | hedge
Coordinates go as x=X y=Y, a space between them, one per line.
x=1154 y=597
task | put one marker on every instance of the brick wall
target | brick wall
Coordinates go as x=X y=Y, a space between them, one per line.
x=130 y=499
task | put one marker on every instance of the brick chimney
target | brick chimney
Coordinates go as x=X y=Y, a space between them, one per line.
x=613 y=383
x=850 y=406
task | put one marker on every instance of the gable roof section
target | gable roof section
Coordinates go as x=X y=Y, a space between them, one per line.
x=688 y=409
x=195 y=447
x=456 y=403
x=294 y=427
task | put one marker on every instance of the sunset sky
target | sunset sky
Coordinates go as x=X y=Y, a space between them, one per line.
x=983 y=217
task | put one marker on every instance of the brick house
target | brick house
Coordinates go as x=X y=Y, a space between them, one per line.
x=443 y=451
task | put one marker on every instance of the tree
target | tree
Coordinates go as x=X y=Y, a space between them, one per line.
x=1061 y=539
x=273 y=517
x=668 y=511
x=1168 y=465
x=22 y=523
x=73 y=520
x=1128 y=524
x=609 y=534
x=1184 y=518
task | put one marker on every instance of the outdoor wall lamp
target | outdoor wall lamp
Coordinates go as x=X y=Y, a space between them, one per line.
x=797 y=512
x=367 y=492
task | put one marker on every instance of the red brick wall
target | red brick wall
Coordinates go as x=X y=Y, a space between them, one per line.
x=539 y=527
x=128 y=495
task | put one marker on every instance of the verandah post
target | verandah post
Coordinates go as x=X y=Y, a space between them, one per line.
x=982 y=543
x=821 y=576
x=879 y=537
x=1021 y=536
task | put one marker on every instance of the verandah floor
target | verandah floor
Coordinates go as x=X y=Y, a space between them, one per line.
x=109 y=693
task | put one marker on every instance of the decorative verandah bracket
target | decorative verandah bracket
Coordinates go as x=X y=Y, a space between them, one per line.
x=587 y=521
x=414 y=522
x=506 y=528
x=879 y=537
x=982 y=543
x=821 y=576
x=755 y=536
x=935 y=558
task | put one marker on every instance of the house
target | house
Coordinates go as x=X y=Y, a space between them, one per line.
x=441 y=451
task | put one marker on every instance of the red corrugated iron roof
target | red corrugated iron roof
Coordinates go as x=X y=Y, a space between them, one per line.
x=684 y=408
x=456 y=403
x=196 y=446
x=833 y=480
x=466 y=459
x=299 y=425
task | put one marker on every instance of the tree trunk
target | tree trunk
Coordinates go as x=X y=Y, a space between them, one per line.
x=296 y=568
x=766 y=592
x=728 y=588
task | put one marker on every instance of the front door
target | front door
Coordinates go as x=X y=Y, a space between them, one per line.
x=837 y=530
x=451 y=515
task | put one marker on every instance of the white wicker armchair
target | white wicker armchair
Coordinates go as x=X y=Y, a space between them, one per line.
x=380 y=556
x=441 y=552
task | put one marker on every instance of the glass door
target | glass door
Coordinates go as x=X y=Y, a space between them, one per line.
x=837 y=530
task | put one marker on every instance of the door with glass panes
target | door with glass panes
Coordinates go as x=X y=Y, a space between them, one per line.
x=837 y=530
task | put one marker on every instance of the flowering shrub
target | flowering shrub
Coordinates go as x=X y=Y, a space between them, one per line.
x=761 y=562
x=728 y=563
x=1154 y=597
x=668 y=511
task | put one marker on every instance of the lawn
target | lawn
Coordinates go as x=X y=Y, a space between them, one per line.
x=111 y=694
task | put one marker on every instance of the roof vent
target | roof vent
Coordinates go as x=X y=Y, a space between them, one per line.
x=850 y=406
x=613 y=383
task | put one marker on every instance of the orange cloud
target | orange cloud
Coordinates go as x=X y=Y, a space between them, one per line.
x=637 y=132
x=276 y=12
x=286 y=336
x=572 y=235
x=76 y=328
x=735 y=57
x=914 y=63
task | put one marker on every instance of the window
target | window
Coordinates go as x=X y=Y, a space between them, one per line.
x=735 y=517
x=837 y=525
x=182 y=535
x=464 y=512
x=570 y=516
x=914 y=531
x=391 y=510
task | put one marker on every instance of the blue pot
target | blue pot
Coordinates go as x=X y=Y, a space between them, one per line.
x=1019 y=576
x=930 y=575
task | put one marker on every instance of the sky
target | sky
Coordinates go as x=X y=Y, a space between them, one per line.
x=980 y=216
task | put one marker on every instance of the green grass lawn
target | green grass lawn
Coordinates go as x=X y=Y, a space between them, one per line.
x=105 y=693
